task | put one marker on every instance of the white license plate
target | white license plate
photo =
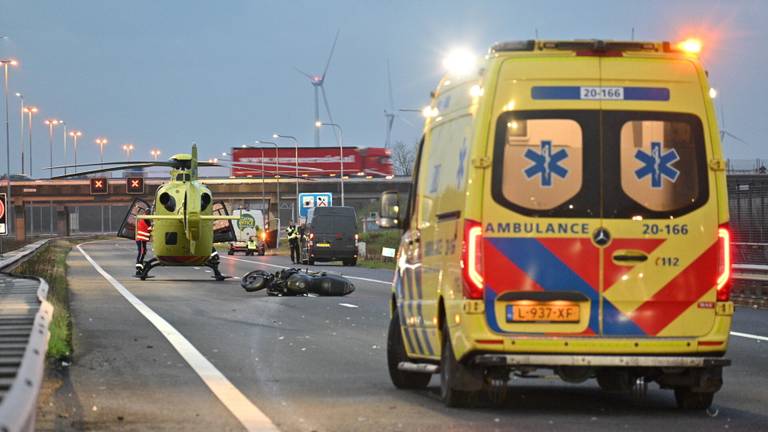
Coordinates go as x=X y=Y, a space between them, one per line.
x=602 y=93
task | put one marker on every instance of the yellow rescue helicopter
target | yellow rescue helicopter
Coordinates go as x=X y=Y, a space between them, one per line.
x=186 y=219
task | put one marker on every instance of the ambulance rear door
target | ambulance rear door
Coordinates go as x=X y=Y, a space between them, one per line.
x=541 y=269
x=660 y=256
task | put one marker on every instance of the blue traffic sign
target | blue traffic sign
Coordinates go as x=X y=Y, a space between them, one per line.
x=312 y=200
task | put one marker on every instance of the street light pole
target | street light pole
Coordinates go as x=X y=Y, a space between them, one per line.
x=101 y=142
x=51 y=123
x=296 y=148
x=277 y=178
x=8 y=219
x=75 y=134
x=30 y=110
x=63 y=123
x=341 y=154
x=155 y=153
x=21 y=131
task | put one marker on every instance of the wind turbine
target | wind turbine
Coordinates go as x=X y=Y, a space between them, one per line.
x=317 y=82
x=391 y=114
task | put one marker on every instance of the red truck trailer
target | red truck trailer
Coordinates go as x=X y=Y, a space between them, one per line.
x=313 y=161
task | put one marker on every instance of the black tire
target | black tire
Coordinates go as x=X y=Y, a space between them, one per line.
x=396 y=354
x=262 y=252
x=614 y=381
x=690 y=400
x=254 y=281
x=311 y=262
x=449 y=368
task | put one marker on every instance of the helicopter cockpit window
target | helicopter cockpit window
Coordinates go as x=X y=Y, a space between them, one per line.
x=205 y=201
x=182 y=177
x=167 y=201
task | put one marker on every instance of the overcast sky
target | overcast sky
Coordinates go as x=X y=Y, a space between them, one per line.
x=166 y=73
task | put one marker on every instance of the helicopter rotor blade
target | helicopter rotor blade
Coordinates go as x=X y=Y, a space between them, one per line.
x=101 y=170
x=124 y=163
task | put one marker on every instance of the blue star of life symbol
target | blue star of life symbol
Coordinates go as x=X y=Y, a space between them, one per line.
x=460 y=169
x=546 y=163
x=657 y=164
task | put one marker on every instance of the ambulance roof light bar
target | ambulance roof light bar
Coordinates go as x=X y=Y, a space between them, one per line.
x=689 y=46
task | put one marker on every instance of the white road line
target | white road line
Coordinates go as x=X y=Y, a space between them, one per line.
x=349 y=305
x=388 y=283
x=243 y=409
x=750 y=336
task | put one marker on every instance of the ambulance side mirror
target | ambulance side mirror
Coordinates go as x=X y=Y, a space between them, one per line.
x=389 y=216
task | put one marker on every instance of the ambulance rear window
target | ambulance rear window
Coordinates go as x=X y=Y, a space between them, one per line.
x=662 y=162
x=539 y=163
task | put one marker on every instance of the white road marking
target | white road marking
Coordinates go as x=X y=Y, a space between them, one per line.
x=349 y=305
x=749 y=336
x=235 y=401
x=388 y=283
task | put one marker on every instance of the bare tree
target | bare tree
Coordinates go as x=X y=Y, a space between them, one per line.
x=403 y=158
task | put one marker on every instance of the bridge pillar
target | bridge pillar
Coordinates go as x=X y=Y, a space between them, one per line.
x=62 y=220
x=19 y=222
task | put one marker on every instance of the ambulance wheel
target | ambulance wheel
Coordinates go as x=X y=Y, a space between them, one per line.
x=690 y=400
x=396 y=354
x=449 y=371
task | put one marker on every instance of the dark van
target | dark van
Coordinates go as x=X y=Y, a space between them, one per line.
x=332 y=235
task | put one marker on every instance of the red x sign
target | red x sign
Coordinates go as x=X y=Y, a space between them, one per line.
x=99 y=186
x=134 y=185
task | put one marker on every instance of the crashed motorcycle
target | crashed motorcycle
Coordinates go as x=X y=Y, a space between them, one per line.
x=295 y=282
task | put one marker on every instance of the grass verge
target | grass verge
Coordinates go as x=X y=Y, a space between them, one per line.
x=374 y=242
x=50 y=263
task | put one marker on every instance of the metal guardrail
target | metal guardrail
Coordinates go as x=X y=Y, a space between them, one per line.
x=750 y=285
x=25 y=315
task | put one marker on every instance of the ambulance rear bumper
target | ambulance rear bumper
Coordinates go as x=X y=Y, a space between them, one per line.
x=543 y=360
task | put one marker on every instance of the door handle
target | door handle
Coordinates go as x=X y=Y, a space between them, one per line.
x=629 y=256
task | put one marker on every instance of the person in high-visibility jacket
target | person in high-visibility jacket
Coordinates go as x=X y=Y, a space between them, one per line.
x=143 y=231
x=253 y=245
x=293 y=242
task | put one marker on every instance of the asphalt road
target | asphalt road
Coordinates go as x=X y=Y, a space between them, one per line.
x=313 y=364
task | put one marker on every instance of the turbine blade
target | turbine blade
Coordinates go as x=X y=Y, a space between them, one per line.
x=311 y=78
x=734 y=137
x=328 y=110
x=330 y=56
x=389 y=84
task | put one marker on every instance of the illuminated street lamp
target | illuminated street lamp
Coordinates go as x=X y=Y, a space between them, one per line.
x=30 y=110
x=128 y=149
x=64 y=124
x=51 y=123
x=155 y=153
x=75 y=134
x=101 y=142
x=5 y=62
x=21 y=130
x=341 y=154
x=296 y=150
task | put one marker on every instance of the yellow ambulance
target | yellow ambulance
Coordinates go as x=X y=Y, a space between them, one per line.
x=568 y=212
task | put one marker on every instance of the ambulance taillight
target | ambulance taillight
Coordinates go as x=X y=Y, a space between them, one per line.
x=472 y=260
x=724 y=263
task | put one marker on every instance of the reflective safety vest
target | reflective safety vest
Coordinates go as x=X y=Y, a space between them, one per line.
x=142 y=230
x=252 y=244
x=293 y=233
